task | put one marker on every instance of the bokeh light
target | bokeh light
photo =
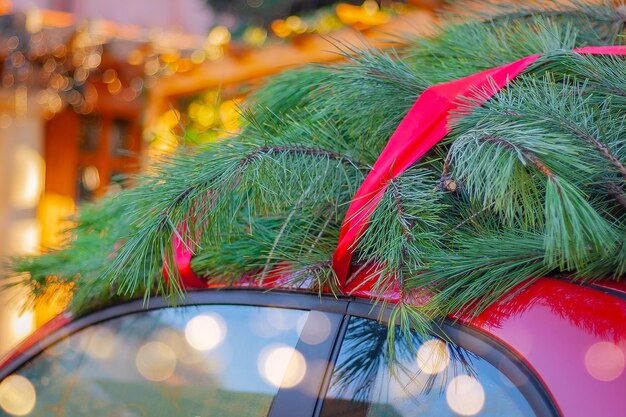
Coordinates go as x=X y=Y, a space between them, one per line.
x=465 y=395
x=27 y=177
x=281 y=365
x=318 y=329
x=205 y=331
x=433 y=356
x=22 y=323
x=604 y=361
x=24 y=236
x=156 y=361
x=176 y=340
x=17 y=395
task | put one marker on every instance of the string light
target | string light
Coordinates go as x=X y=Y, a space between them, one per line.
x=67 y=67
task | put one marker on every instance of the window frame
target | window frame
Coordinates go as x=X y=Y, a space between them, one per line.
x=482 y=345
x=295 y=402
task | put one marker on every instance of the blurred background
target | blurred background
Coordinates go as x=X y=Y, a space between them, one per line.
x=93 y=89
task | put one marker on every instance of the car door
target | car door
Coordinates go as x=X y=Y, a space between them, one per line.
x=455 y=372
x=224 y=353
x=252 y=353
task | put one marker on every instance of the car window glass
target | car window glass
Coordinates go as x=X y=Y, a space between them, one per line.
x=426 y=378
x=222 y=360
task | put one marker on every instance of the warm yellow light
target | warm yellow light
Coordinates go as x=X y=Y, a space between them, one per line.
x=219 y=36
x=152 y=66
x=24 y=237
x=34 y=20
x=280 y=28
x=213 y=52
x=198 y=56
x=604 y=361
x=433 y=356
x=205 y=332
x=93 y=60
x=465 y=395
x=328 y=23
x=170 y=118
x=318 y=330
x=164 y=143
x=55 y=103
x=156 y=361
x=370 y=6
x=255 y=35
x=109 y=75
x=136 y=57
x=55 y=212
x=27 y=177
x=170 y=56
x=22 y=324
x=184 y=65
x=230 y=114
x=194 y=109
x=17 y=395
x=295 y=24
x=91 y=178
x=206 y=115
x=282 y=365
x=368 y=14
x=115 y=86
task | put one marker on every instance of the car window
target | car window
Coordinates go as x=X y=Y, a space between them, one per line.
x=221 y=360
x=428 y=377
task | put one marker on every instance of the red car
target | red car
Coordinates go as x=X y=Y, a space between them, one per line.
x=554 y=349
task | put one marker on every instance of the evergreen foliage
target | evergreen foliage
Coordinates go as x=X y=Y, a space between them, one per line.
x=538 y=176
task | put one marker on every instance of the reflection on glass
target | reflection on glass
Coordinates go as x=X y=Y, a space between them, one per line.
x=433 y=356
x=465 y=395
x=156 y=361
x=146 y=364
x=282 y=365
x=318 y=331
x=205 y=331
x=17 y=395
x=440 y=379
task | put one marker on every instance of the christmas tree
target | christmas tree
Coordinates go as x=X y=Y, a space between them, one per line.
x=529 y=182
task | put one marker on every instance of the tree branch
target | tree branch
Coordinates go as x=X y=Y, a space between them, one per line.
x=582 y=134
x=297 y=150
x=282 y=230
x=530 y=156
x=617 y=192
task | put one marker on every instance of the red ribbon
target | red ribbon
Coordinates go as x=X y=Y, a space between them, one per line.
x=425 y=125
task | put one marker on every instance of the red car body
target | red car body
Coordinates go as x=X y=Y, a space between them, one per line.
x=572 y=337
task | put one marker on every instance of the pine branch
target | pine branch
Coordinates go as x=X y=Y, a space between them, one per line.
x=481 y=270
x=295 y=207
x=525 y=153
x=297 y=150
